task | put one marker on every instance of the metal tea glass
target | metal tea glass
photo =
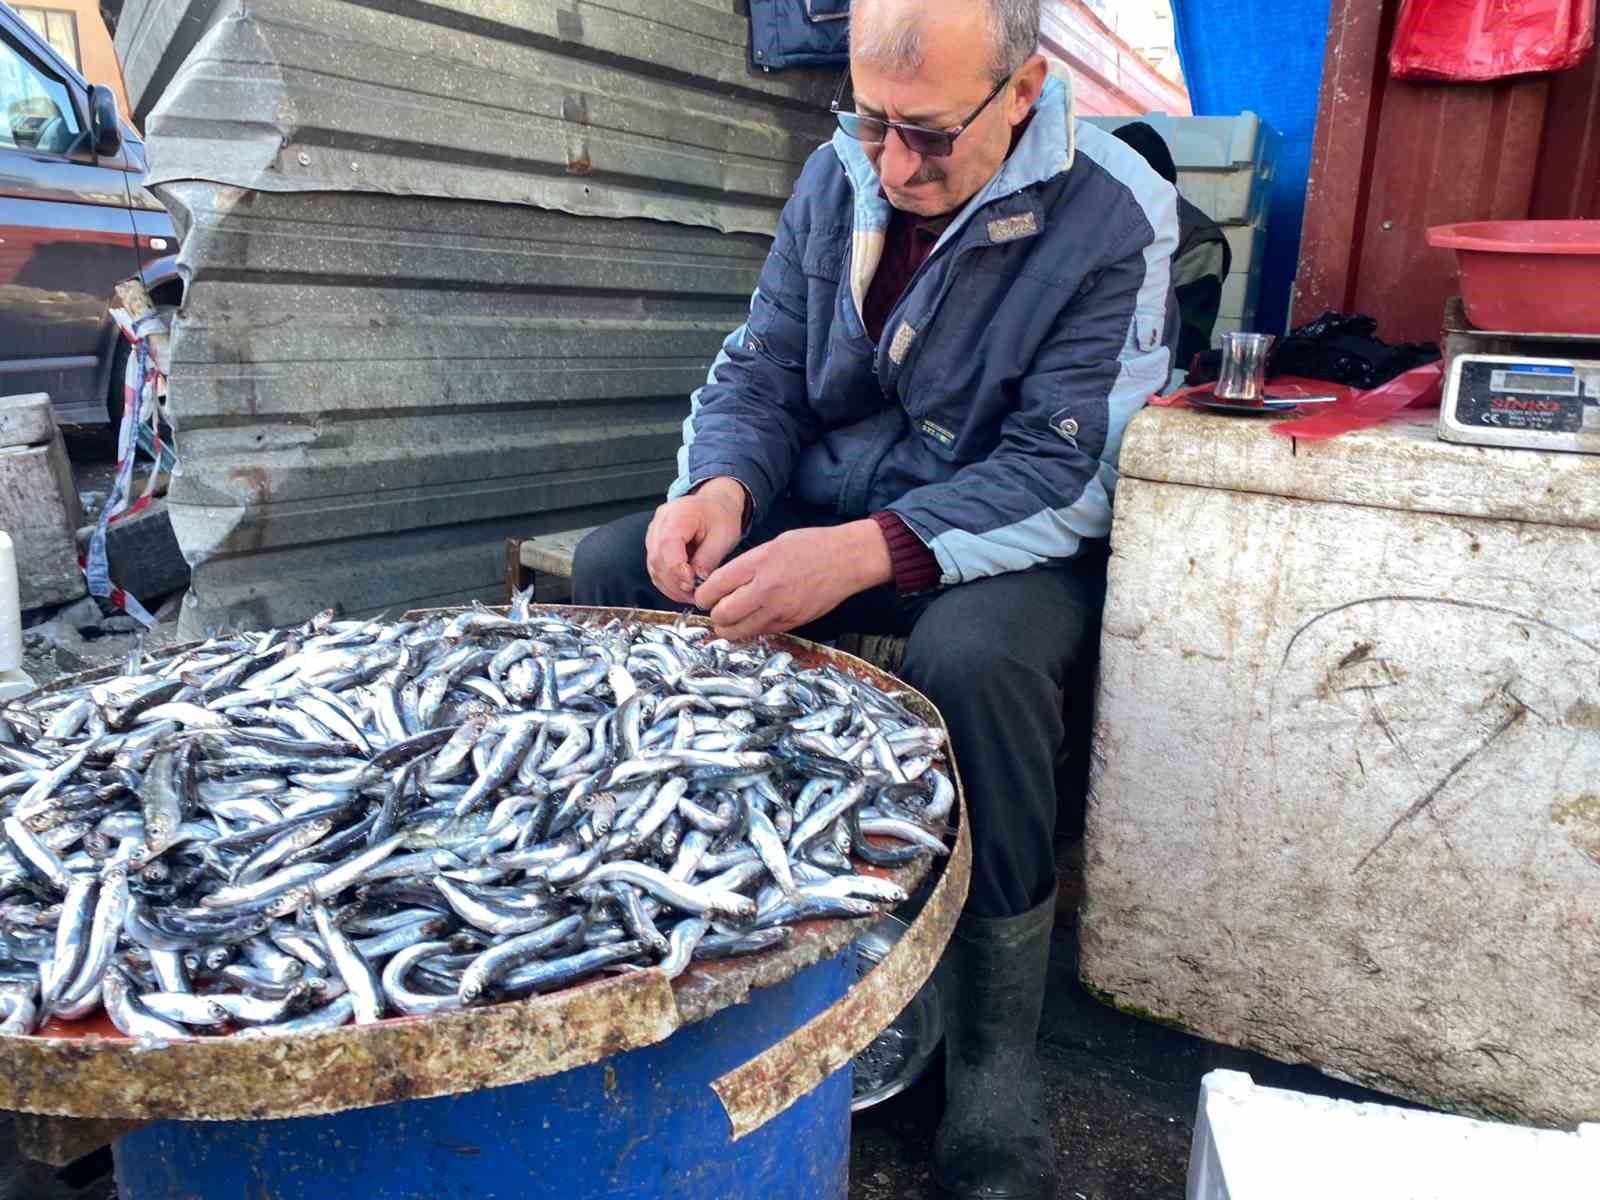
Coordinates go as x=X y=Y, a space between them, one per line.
x=1244 y=366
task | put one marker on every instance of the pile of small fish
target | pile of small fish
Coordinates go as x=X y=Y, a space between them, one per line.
x=287 y=831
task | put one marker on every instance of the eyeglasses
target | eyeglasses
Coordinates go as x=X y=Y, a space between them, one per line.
x=930 y=143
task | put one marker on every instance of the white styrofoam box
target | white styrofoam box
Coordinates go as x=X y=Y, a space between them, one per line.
x=1343 y=801
x=13 y=680
x=10 y=607
x=1225 y=164
x=1260 y=1143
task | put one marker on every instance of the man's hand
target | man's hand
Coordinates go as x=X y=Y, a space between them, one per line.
x=690 y=536
x=795 y=578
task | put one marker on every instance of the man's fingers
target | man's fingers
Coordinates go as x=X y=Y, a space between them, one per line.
x=727 y=579
x=742 y=606
x=765 y=619
x=669 y=582
x=666 y=545
x=708 y=555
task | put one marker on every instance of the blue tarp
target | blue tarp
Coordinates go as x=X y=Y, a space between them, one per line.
x=1264 y=56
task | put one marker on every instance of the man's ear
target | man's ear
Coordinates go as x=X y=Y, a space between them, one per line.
x=1027 y=83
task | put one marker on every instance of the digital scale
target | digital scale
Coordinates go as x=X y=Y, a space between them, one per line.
x=1535 y=390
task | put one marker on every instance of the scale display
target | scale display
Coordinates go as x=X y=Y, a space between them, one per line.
x=1501 y=400
x=1524 y=381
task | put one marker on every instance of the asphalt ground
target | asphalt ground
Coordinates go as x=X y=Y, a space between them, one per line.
x=1121 y=1094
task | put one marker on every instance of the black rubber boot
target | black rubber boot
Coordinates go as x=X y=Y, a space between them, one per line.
x=994 y=1141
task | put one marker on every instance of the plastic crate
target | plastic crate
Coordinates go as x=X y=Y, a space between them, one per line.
x=1243 y=284
x=1248 y=245
x=1258 y=1143
x=1225 y=164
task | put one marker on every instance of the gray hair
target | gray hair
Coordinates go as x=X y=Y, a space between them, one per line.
x=1013 y=26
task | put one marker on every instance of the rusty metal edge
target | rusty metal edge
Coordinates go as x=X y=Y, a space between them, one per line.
x=754 y=1093
x=76 y=1082
x=355 y=1066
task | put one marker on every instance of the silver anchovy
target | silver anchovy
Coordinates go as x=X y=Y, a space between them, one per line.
x=280 y=833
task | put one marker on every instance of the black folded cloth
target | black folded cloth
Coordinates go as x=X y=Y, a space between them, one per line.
x=1337 y=347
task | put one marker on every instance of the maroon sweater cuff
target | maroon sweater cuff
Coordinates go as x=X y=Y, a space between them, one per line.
x=915 y=567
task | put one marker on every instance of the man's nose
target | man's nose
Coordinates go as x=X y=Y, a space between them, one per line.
x=897 y=164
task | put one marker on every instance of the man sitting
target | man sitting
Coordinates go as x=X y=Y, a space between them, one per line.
x=916 y=433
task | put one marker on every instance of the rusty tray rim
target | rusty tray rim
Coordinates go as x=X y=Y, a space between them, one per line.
x=413 y=1058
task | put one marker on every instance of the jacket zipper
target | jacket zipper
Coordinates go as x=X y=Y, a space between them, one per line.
x=859 y=479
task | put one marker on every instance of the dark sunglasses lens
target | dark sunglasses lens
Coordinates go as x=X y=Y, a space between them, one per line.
x=863 y=129
x=930 y=143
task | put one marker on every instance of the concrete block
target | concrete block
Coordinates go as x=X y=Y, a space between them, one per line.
x=1344 y=807
x=38 y=503
x=26 y=420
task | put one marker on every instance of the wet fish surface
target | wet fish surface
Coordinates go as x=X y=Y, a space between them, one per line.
x=281 y=832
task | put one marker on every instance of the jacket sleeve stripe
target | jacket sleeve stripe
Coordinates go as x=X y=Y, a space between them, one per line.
x=1147 y=359
x=1057 y=532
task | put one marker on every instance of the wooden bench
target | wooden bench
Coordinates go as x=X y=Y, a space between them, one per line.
x=544 y=562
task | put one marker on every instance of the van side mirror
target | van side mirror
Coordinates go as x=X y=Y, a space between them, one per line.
x=104 y=123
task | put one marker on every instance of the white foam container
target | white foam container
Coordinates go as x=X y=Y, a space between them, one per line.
x=1259 y=1143
x=13 y=681
x=10 y=607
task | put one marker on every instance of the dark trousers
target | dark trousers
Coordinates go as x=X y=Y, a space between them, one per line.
x=994 y=656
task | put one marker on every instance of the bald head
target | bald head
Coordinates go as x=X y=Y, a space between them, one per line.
x=893 y=34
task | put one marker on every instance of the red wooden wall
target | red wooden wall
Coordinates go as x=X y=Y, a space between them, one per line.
x=1393 y=157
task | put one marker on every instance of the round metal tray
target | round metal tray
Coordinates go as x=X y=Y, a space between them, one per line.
x=86 y=1069
x=897 y=1057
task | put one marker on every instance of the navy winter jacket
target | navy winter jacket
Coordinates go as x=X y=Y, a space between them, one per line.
x=990 y=417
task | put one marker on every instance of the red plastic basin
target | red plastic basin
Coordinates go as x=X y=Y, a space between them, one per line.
x=1527 y=276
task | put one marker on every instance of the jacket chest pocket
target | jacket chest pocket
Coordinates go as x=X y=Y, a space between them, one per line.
x=960 y=373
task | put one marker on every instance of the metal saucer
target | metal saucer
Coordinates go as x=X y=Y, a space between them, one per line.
x=1243 y=408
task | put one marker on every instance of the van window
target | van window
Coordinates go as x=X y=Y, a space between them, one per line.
x=36 y=111
x=56 y=26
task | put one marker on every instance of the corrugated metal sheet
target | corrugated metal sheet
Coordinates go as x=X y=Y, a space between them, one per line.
x=1392 y=158
x=453 y=268
x=1567 y=180
x=1110 y=77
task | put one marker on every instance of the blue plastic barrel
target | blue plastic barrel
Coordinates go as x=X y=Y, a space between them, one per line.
x=642 y=1124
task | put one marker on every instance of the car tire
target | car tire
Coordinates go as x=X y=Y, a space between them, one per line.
x=119 y=371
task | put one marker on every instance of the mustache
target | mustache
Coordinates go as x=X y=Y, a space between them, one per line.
x=926 y=175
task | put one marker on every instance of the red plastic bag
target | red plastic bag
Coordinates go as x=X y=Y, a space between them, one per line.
x=1354 y=409
x=1475 y=40
x=1416 y=388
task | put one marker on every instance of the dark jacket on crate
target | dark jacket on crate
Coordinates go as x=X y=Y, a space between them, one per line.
x=1203 y=259
x=799 y=33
